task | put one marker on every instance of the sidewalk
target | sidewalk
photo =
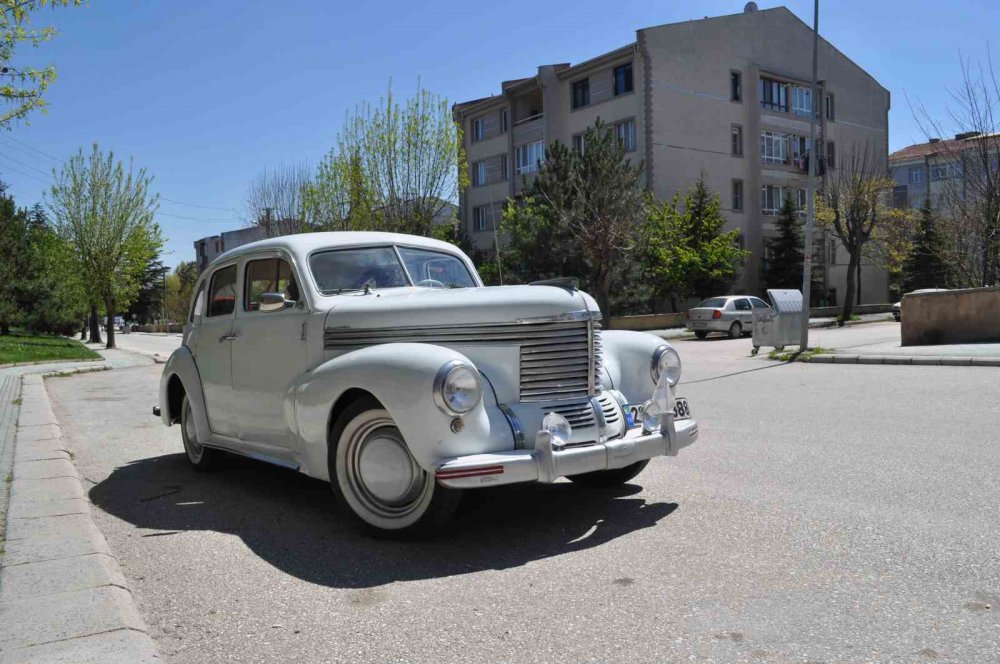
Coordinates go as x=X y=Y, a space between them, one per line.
x=848 y=348
x=63 y=597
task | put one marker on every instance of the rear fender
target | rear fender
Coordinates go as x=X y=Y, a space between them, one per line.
x=181 y=364
x=401 y=376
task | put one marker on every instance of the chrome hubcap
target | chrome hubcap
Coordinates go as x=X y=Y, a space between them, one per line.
x=381 y=473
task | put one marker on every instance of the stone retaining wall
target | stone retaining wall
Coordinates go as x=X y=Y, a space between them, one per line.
x=951 y=317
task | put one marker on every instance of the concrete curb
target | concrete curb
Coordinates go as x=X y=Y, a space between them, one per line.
x=63 y=597
x=916 y=360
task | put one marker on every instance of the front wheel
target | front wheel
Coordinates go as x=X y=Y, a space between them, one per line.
x=202 y=458
x=701 y=334
x=373 y=473
x=613 y=477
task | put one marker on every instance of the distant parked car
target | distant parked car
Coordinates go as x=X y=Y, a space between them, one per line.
x=897 y=309
x=728 y=314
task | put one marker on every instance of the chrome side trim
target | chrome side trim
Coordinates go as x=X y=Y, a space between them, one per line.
x=515 y=426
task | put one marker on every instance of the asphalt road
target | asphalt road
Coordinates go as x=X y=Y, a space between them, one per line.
x=834 y=513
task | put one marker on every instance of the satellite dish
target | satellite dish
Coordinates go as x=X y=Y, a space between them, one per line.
x=750 y=8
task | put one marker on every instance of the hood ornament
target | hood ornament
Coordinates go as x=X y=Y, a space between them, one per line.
x=569 y=284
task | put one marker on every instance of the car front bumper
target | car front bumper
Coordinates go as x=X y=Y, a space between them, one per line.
x=546 y=464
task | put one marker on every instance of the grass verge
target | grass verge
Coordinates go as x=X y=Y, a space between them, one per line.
x=18 y=347
x=797 y=355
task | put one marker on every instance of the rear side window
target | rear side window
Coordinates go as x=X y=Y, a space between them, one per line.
x=269 y=275
x=199 y=303
x=222 y=296
x=743 y=305
x=714 y=303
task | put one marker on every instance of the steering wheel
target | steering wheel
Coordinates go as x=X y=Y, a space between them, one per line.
x=431 y=283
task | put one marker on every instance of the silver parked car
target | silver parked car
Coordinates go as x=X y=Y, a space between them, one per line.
x=728 y=314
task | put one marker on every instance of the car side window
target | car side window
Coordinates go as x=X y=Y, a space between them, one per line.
x=199 y=303
x=759 y=303
x=268 y=275
x=222 y=295
x=743 y=305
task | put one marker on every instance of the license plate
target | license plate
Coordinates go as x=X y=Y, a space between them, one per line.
x=697 y=325
x=682 y=411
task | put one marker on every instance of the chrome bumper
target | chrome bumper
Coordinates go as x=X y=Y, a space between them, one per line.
x=547 y=464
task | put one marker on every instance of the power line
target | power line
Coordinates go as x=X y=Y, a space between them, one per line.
x=24 y=165
x=178 y=216
x=195 y=205
x=31 y=147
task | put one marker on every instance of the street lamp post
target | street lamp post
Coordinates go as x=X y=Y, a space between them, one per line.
x=810 y=190
x=164 y=304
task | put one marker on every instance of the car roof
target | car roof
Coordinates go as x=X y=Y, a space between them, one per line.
x=302 y=244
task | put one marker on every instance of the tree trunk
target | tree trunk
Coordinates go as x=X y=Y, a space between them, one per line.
x=4 y=329
x=95 y=326
x=110 y=306
x=858 y=301
x=852 y=273
x=83 y=333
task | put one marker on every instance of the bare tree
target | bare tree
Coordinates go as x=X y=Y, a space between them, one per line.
x=274 y=200
x=967 y=174
x=854 y=206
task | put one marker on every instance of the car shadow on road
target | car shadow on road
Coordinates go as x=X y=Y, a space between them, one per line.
x=291 y=521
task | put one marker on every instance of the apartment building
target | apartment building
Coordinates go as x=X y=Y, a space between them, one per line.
x=929 y=171
x=725 y=97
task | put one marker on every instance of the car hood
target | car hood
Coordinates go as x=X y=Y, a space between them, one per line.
x=412 y=307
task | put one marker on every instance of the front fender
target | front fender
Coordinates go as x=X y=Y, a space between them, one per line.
x=628 y=360
x=401 y=377
x=181 y=364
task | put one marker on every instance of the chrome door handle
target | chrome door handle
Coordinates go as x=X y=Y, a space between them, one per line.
x=228 y=337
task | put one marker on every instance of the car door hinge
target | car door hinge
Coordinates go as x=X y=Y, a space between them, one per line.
x=302 y=336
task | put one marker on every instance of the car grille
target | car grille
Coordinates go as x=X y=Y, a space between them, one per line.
x=579 y=414
x=559 y=360
x=610 y=409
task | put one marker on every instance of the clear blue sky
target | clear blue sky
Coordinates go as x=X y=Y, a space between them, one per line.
x=205 y=94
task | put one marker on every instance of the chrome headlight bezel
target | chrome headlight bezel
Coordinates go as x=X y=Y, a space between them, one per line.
x=448 y=372
x=665 y=358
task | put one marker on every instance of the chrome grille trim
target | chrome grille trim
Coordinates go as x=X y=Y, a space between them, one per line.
x=609 y=408
x=559 y=360
x=579 y=414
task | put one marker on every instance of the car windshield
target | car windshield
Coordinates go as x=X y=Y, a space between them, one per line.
x=714 y=303
x=342 y=270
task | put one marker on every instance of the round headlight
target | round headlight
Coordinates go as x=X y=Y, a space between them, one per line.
x=558 y=427
x=667 y=362
x=457 y=388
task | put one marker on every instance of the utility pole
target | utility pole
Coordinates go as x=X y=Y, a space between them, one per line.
x=810 y=190
x=164 y=294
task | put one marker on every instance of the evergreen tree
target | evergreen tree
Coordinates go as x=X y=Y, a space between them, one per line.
x=784 y=267
x=926 y=266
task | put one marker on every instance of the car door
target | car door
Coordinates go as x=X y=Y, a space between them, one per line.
x=744 y=312
x=213 y=350
x=269 y=352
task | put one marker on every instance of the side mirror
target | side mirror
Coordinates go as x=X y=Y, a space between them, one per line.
x=274 y=301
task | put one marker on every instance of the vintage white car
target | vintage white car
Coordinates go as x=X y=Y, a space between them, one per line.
x=380 y=362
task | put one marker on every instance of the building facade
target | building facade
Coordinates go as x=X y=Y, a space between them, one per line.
x=207 y=249
x=727 y=98
x=930 y=171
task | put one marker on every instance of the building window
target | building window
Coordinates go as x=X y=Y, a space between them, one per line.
x=478 y=173
x=833 y=252
x=625 y=132
x=504 y=172
x=772 y=197
x=737 y=141
x=831 y=155
x=916 y=174
x=581 y=93
x=735 y=86
x=773 y=147
x=504 y=120
x=829 y=109
x=773 y=95
x=528 y=156
x=900 y=196
x=623 y=79
x=737 y=195
x=480 y=217
x=800 y=201
x=943 y=171
x=478 y=129
x=801 y=101
x=800 y=150
x=578 y=144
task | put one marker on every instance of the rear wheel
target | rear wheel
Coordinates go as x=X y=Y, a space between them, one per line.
x=373 y=473
x=736 y=330
x=701 y=334
x=613 y=477
x=201 y=457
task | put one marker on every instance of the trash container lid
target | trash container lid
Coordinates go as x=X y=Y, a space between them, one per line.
x=786 y=301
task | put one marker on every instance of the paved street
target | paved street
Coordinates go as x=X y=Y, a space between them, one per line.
x=828 y=513
x=159 y=345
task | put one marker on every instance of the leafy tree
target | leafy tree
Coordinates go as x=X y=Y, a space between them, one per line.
x=148 y=303
x=394 y=167
x=686 y=252
x=927 y=264
x=784 y=267
x=106 y=211
x=15 y=258
x=22 y=87
x=853 y=206
x=581 y=215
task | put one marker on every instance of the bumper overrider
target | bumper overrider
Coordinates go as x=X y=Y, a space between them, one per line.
x=549 y=460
